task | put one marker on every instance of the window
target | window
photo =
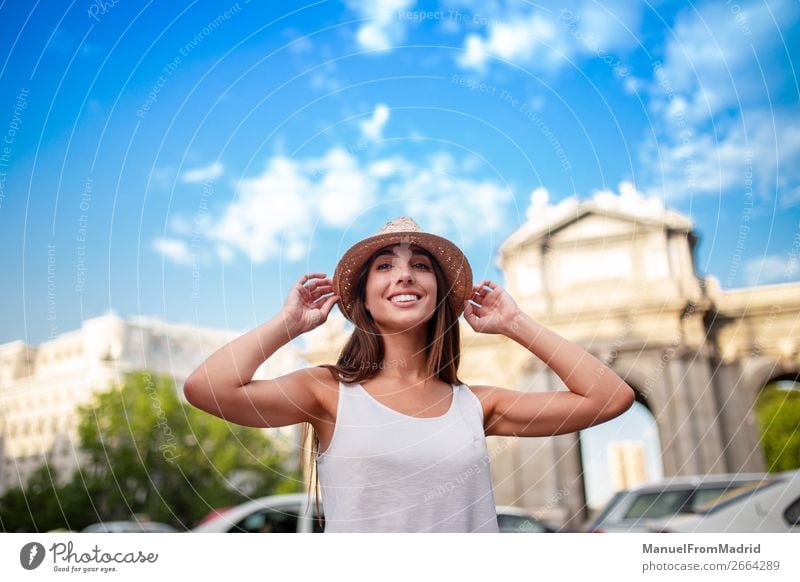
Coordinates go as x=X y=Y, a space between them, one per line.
x=652 y=505
x=519 y=524
x=271 y=520
x=704 y=497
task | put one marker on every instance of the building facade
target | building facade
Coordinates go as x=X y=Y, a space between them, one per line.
x=41 y=386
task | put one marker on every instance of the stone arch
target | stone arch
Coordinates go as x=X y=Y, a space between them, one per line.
x=787 y=374
x=758 y=372
x=774 y=453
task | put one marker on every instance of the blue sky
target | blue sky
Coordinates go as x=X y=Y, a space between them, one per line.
x=193 y=161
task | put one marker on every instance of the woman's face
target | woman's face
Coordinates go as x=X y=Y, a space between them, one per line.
x=399 y=272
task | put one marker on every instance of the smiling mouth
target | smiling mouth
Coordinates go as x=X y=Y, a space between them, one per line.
x=405 y=299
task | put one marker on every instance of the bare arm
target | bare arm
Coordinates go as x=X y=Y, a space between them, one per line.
x=596 y=394
x=223 y=384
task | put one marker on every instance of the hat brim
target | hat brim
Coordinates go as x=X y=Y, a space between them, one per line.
x=454 y=264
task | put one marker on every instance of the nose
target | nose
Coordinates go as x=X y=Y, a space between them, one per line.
x=404 y=273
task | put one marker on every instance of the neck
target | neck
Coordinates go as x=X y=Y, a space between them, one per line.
x=405 y=356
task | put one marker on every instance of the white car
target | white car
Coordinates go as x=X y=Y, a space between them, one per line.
x=768 y=506
x=129 y=527
x=632 y=510
x=296 y=513
x=512 y=519
x=290 y=513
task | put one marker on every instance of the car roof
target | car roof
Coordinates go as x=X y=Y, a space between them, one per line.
x=787 y=479
x=694 y=481
x=514 y=510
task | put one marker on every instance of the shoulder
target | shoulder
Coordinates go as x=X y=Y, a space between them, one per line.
x=323 y=378
x=325 y=386
x=487 y=396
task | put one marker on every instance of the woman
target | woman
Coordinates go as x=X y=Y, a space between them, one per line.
x=400 y=440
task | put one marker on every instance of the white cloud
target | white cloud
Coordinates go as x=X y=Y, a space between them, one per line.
x=790 y=198
x=180 y=225
x=224 y=253
x=161 y=178
x=770 y=269
x=373 y=127
x=629 y=200
x=345 y=189
x=275 y=213
x=534 y=40
x=385 y=167
x=298 y=43
x=383 y=29
x=268 y=209
x=612 y=25
x=444 y=198
x=173 y=249
x=549 y=35
x=715 y=60
x=209 y=172
x=720 y=68
x=755 y=152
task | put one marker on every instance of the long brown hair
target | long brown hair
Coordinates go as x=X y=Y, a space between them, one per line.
x=363 y=354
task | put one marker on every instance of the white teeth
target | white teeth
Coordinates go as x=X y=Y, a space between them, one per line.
x=399 y=298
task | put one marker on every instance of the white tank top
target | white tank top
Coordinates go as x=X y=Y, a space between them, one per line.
x=385 y=471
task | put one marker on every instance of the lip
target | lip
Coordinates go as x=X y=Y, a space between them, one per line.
x=407 y=303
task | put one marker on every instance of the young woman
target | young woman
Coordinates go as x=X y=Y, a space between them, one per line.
x=399 y=440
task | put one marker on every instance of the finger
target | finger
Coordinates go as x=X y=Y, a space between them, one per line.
x=468 y=311
x=319 y=301
x=329 y=305
x=308 y=276
x=324 y=289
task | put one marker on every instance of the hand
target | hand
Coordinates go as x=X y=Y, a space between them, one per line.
x=308 y=303
x=495 y=311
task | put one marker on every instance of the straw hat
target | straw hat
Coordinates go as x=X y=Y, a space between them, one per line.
x=404 y=230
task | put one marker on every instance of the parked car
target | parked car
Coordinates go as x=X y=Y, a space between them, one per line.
x=129 y=527
x=294 y=513
x=771 y=505
x=512 y=519
x=631 y=510
x=291 y=513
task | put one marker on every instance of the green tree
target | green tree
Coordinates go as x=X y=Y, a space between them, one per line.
x=778 y=411
x=145 y=452
x=44 y=504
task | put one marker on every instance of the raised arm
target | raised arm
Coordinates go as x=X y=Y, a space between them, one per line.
x=223 y=384
x=596 y=394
